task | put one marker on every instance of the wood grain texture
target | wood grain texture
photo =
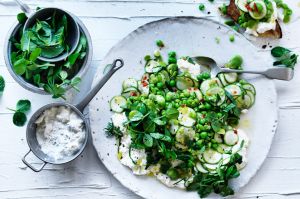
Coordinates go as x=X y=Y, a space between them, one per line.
x=109 y=21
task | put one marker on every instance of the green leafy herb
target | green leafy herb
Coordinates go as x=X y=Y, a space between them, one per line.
x=205 y=184
x=201 y=7
x=172 y=113
x=284 y=57
x=112 y=130
x=22 y=18
x=160 y=43
x=47 y=39
x=22 y=107
x=2 y=84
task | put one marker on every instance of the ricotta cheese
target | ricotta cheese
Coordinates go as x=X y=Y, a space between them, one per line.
x=60 y=132
x=185 y=66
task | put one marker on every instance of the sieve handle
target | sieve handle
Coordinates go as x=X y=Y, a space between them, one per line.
x=30 y=166
x=116 y=65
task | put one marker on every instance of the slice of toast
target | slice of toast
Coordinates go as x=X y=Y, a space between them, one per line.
x=234 y=13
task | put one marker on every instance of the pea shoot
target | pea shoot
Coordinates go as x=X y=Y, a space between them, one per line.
x=2 y=84
x=19 y=117
x=201 y=7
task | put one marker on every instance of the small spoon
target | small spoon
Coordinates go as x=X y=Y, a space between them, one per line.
x=280 y=73
x=73 y=31
x=31 y=126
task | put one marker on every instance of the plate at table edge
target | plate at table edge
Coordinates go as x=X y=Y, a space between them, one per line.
x=188 y=36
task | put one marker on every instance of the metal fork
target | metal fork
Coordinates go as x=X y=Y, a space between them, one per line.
x=280 y=73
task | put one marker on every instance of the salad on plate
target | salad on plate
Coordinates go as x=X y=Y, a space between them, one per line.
x=181 y=126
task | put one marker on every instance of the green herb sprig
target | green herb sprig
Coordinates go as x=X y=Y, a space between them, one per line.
x=284 y=57
x=2 y=84
x=19 y=117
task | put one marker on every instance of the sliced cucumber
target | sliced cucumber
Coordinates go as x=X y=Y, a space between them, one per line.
x=234 y=90
x=165 y=74
x=249 y=87
x=130 y=92
x=223 y=148
x=252 y=97
x=258 y=9
x=118 y=103
x=244 y=102
x=242 y=4
x=231 y=138
x=225 y=159
x=210 y=83
x=130 y=82
x=222 y=79
x=231 y=77
x=210 y=167
x=184 y=134
x=143 y=87
x=174 y=125
x=187 y=116
x=218 y=138
x=183 y=83
x=152 y=66
x=211 y=156
x=197 y=92
x=217 y=91
x=200 y=168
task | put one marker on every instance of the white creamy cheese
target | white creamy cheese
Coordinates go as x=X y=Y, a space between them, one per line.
x=185 y=66
x=139 y=156
x=242 y=151
x=163 y=178
x=60 y=132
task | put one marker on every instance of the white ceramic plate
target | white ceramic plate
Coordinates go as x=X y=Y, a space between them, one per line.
x=187 y=36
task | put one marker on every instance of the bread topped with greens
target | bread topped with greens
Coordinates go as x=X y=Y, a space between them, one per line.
x=259 y=18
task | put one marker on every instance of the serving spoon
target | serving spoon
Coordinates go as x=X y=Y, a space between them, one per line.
x=280 y=73
x=31 y=126
x=73 y=31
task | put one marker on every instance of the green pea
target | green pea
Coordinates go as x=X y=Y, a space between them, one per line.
x=176 y=105
x=172 y=60
x=173 y=174
x=214 y=146
x=160 y=43
x=219 y=114
x=177 y=100
x=186 y=93
x=207 y=127
x=181 y=95
x=201 y=7
x=147 y=58
x=172 y=54
x=203 y=135
x=152 y=96
x=231 y=38
x=202 y=121
x=160 y=85
x=189 y=102
x=156 y=53
x=172 y=83
x=207 y=106
x=201 y=106
x=168 y=98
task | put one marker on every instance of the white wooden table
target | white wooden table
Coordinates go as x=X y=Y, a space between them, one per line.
x=109 y=21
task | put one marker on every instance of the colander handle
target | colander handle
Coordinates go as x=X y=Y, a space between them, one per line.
x=30 y=166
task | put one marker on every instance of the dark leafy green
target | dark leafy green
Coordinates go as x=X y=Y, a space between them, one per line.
x=284 y=56
x=2 y=84
x=112 y=130
x=22 y=107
